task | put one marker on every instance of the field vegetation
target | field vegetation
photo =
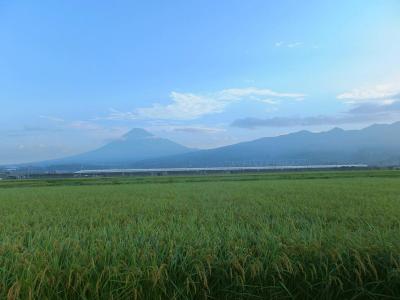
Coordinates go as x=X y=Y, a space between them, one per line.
x=314 y=235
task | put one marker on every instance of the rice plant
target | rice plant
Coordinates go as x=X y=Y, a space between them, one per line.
x=280 y=236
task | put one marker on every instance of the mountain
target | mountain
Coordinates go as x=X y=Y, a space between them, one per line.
x=134 y=146
x=374 y=145
x=377 y=145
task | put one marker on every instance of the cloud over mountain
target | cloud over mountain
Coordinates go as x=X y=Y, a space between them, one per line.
x=378 y=103
x=382 y=93
x=189 y=106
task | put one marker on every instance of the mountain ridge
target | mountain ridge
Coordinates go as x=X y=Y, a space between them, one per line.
x=135 y=145
x=377 y=144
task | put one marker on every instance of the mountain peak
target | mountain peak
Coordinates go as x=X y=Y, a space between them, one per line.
x=336 y=130
x=137 y=133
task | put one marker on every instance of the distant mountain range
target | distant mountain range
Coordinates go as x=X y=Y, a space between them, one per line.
x=376 y=145
x=136 y=145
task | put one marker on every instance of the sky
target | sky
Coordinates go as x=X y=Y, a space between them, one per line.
x=75 y=75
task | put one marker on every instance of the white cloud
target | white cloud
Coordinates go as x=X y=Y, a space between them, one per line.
x=384 y=94
x=288 y=45
x=189 y=106
x=84 y=125
x=118 y=115
x=373 y=104
x=253 y=93
x=51 y=118
x=294 y=45
x=61 y=123
x=184 y=106
x=90 y=128
x=198 y=129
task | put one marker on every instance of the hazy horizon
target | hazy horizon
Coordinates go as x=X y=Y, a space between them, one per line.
x=75 y=75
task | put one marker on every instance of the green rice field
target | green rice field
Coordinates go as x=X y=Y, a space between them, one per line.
x=312 y=235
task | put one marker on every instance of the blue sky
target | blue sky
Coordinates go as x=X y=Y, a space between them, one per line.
x=77 y=74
